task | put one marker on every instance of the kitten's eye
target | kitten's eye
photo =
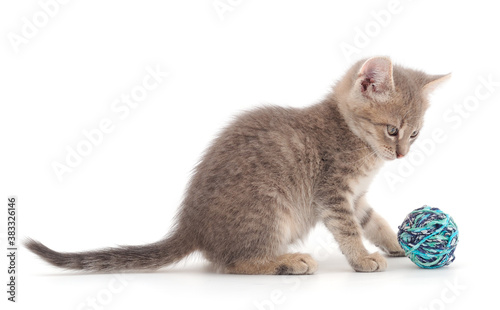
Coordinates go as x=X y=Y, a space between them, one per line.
x=414 y=134
x=392 y=131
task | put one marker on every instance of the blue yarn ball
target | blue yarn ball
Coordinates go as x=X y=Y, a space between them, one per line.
x=429 y=237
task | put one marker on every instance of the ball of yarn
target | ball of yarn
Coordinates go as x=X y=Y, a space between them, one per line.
x=429 y=237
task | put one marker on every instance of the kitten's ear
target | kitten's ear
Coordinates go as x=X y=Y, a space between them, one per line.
x=375 y=78
x=434 y=81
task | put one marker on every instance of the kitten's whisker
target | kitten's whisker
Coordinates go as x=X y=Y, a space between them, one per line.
x=363 y=160
x=362 y=148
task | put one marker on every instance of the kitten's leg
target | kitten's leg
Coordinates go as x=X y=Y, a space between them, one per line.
x=340 y=219
x=376 y=229
x=296 y=263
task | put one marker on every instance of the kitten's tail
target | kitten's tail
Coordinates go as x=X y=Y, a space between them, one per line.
x=139 y=257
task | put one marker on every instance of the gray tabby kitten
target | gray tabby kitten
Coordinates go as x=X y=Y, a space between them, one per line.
x=275 y=172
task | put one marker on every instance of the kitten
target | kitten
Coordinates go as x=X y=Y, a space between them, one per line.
x=275 y=172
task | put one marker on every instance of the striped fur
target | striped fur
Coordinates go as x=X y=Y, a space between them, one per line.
x=275 y=172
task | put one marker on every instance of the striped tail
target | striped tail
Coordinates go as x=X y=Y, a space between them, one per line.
x=140 y=257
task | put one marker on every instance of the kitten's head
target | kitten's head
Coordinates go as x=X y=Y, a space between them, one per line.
x=384 y=104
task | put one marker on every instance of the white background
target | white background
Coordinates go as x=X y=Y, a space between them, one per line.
x=63 y=80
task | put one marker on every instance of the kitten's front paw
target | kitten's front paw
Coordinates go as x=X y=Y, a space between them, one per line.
x=392 y=248
x=370 y=263
x=396 y=253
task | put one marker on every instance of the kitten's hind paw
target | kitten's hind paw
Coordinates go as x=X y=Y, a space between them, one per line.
x=296 y=263
x=370 y=263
